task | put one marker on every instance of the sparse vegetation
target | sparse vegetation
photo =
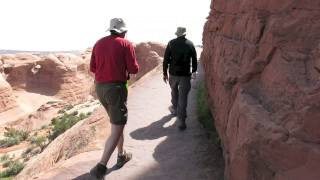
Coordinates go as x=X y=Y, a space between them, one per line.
x=13 y=137
x=13 y=167
x=65 y=109
x=26 y=153
x=61 y=124
x=51 y=102
x=44 y=127
x=204 y=114
x=61 y=111
x=68 y=107
x=39 y=141
x=4 y=158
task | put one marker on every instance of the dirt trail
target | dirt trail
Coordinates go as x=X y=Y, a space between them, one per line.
x=160 y=151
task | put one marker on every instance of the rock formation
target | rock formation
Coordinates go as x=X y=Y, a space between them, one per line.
x=58 y=75
x=149 y=56
x=87 y=135
x=7 y=100
x=261 y=61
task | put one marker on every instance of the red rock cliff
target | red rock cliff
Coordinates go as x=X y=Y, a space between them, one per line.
x=262 y=61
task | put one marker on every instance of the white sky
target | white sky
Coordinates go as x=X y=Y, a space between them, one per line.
x=77 y=24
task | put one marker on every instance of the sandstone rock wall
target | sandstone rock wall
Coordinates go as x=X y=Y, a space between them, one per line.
x=262 y=65
x=7 y=99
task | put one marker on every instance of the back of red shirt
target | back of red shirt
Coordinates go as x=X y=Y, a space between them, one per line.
x=112 y=58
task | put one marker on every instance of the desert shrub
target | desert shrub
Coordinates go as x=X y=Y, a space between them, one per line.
x=4 y=158
x=13 y=168
x=44 y=127
x=204 y=114
x=63 y=123
x=22 y=135
x=7 y=178
x=68 y=107
x=8 y=142
x=51 y=102
x=89 y=113
x=26 y=153
x=13 y=137
x=74 y=113
x=61 y=111
x=39 y=141
x=82 y=116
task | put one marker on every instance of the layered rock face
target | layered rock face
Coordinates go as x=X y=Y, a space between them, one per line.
x=7 y=100
x=262 y=65
x=60 y=75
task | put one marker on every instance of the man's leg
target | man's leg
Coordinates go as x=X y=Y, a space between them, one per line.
x=120 y=144
x=112 y=142
x=100 y=169
x=173 y=81
x=184 y=88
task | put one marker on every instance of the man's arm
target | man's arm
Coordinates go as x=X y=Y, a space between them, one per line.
x=166 y=60
x=131 y=60
x=194 y=59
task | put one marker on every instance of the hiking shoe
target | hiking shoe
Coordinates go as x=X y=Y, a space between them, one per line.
x=182 y=126
x=172 y=110
x=99 y=171
x=123 y=158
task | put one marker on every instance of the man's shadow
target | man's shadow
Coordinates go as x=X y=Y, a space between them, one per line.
x=87 y=176
x=154 y=130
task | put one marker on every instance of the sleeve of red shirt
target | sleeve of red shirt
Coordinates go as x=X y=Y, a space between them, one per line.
x=131 y=60
x=93 y=62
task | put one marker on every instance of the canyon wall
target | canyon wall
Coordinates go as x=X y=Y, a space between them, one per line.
x=262 y=69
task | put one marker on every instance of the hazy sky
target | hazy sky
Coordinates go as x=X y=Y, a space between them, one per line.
x=77 y=24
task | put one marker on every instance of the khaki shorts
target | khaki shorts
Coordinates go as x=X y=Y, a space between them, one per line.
x=113 y=97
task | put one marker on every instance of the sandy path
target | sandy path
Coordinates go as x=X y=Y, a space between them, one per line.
x=160 y=151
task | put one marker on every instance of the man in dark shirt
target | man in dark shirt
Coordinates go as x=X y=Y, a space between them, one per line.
x=113 y=59
x=179 y=55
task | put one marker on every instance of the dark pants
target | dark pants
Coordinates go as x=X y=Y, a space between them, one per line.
x=180 y=87
x=113 y=97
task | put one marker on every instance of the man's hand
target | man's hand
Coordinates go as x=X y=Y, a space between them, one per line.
x=194 y=75
x=165 y=78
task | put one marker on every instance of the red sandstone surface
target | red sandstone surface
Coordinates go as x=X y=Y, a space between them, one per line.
x=262 y=62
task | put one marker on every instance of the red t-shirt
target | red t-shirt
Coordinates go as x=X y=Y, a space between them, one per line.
x=112 y=58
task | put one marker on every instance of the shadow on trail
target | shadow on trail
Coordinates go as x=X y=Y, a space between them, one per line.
x=87 y=176
x=179 y=157
x=154 y=130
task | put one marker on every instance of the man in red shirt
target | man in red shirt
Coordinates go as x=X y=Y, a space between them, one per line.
x=113 y=60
